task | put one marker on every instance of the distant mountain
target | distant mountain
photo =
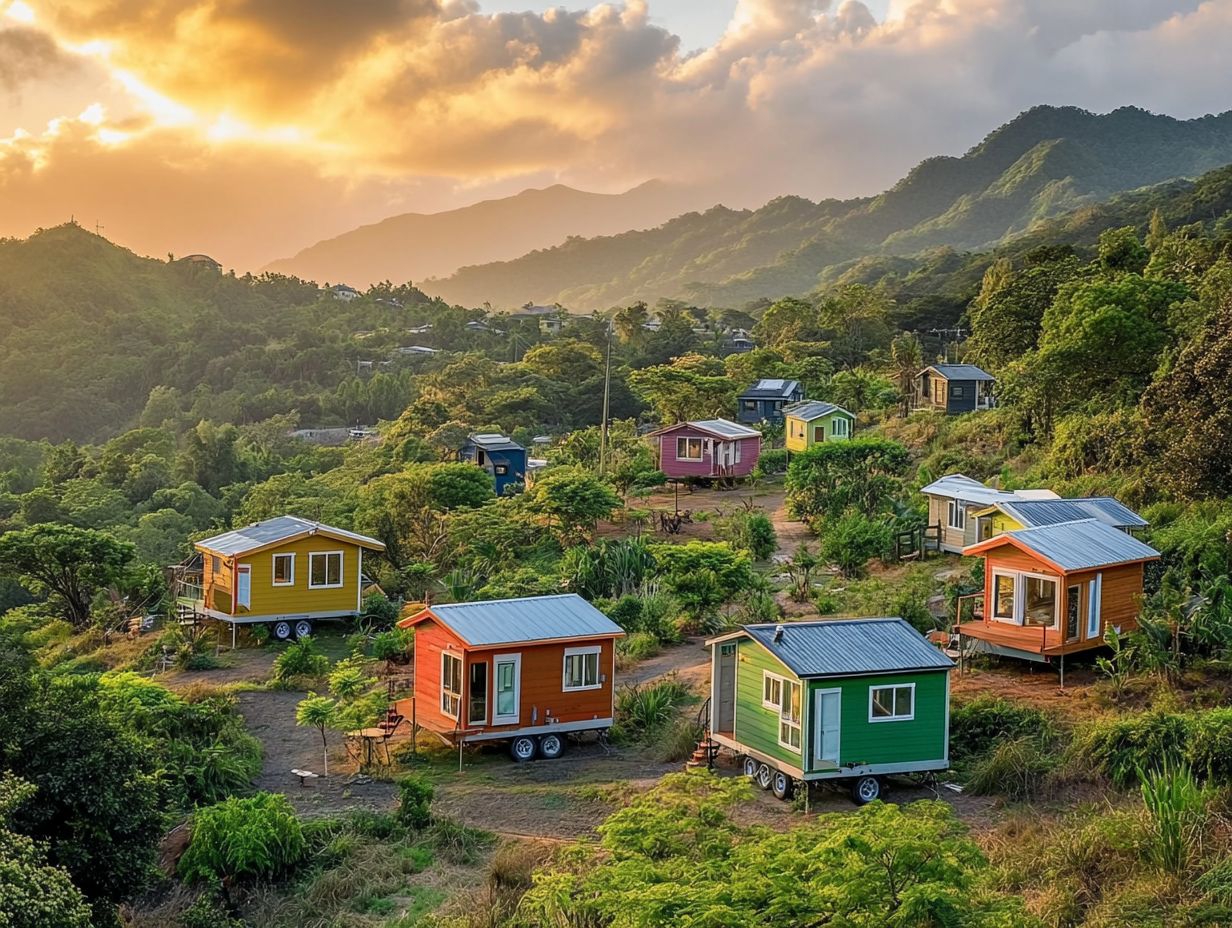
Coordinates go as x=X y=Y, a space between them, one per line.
x=1046 y=162
x=417 y=245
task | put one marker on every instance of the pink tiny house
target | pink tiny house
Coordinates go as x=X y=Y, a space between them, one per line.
x=711 y=448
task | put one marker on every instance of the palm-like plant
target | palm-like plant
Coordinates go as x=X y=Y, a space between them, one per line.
x=906 y=359
x=317 y=712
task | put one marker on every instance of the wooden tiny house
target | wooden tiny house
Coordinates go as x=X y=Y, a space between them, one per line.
x=842 y=699
x=767 y=399
x=1011 y=515
x=503 y=458
x=531 y=670
x=1056 y=589
x=813 y=422
x=954 y=501
x=710 y=448
x=952 y=388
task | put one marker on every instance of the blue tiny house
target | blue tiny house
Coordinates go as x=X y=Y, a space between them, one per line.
x=766 y=400
x=501 y=457
x=953 y=389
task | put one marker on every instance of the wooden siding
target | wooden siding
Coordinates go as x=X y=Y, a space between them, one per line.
x=298 y=598
x=952 y=539
x=431 y=639
x=757 y=727
x=216 y=586
x=750 y=451
x=800 y=435
x=922 y=738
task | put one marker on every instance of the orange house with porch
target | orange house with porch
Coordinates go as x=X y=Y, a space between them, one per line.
x=531 y=670
x=1055 y=590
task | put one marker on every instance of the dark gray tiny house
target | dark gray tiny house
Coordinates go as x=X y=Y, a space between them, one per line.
x=953 y=388
x=766 y=400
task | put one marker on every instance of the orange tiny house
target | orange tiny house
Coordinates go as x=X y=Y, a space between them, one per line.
x=1056 y=589
x=531 y=670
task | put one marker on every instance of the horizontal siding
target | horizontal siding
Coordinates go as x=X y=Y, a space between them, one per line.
x=755 y=726
x=430 y=640
x=268 y=599
x=864 y=742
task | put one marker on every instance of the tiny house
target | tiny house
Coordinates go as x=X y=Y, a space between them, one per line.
x=501 y=457
x=1056 y=589
x=952 y=388
x=848 y=700
x=1011 y=515
x=286 y=573
x=954 y=501
x=531 y=671
x=709 y=448
x=766 y=400
x=813 y=422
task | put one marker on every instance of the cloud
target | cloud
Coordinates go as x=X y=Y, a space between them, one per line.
x=27 y=55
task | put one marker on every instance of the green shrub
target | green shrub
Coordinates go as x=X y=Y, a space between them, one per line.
x=980 y=725
x=1177 y=807
x=626 y=612
x=773 y=461
x=379 y=611
x=255 y=838
x=302 y=658
x=749 y=531
x=850 y=541
x=207 y=912
x=643 y=711
x=457 y=843
x=678 y=740
x=1210 y=746
x=393 y=645
x=638 y=647
x=1018 y=769
x=415 y=802
x=1120 y=748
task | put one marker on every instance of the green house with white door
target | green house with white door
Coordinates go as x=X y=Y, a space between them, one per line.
x=854 y=700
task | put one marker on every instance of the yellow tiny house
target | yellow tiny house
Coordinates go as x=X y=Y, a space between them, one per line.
x=287 y=572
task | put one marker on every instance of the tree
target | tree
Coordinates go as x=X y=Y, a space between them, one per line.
x=859 y=389
x=210 y=458
x=860 y=474
x=857 y=318
x=33 y=893
x=572 y=498
x=851 y=540
x=65 y=563
x=630 y=320
x=1007 y=315
x=1122 y=252
x=786 y=321
x=906 y=361
x=691 y=387
x=317 y=712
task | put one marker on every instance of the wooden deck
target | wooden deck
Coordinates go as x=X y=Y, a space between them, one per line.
x=1044 y=642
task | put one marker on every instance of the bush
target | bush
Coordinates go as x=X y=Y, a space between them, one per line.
x=394 y=645
x=457 y=843
x=302 y=658
x=1210 y=746
x=773 y=461
x=415 y=802
x=207 y=912
x=750 y=531
x=255 y=838
x=379 y=611
x=1018 y=769
x=638 y=647
x=1121 y=748
x=852 y=540
x=643 y=711
x=979 y=726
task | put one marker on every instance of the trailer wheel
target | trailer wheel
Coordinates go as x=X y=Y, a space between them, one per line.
x=865 y=790
x=551 y=747
x=765 y=776
x=303 y=628
x=281 y=630
x=523 y=748
x=782 y=785
x=750 y=768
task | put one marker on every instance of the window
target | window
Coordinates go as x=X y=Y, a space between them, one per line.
x=840 y=428
x=1041 y=603
x=1003 y=596
x=957 y=390
x=581 y=669
x=1025 y=599
x=688 y=449
x=451 y=684
x=215 y=565
x=891 y=703
x=500 y=470
x=325 y=569
x=784 y=697
x=284 y=570
x=771 y=691
x=750 y=405
x=957 y=515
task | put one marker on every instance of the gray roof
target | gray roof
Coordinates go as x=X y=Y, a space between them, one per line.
x=961 y=372
x=771 y=388
x=1033 y=513
x=813 y=409
x=958 y=486
x=490 y=441
x=529 y=618
x=846 y=647
x=1081 y=545
x=272 y=531
x=724 y=428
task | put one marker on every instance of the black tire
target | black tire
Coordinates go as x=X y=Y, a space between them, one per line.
x=765 y=776
x=782 y=785
x=865 y=789
x=303 y=628
x=551 y=746
x=750 y=768
x=523 y=748
x=281 y=631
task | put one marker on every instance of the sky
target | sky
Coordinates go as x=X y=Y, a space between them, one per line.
x=248 y=129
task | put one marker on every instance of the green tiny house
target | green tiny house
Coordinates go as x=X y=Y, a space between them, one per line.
x=841 y=699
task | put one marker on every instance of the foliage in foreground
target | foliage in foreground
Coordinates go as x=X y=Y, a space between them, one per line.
x=257 y=837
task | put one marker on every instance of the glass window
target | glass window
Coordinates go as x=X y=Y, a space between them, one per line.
x=325 y=569
x=1041 y=603
x=582 y=669
x=891 y=703
x=750 y=405
x=215 y=565
x=1003 y=596
x=789 y=715
x=284 y=569
x=840 y=427
x=957 y=515
x=501 y=470
x=688 y=449
x=957 y=391
x=451 y=684
x=771 y=691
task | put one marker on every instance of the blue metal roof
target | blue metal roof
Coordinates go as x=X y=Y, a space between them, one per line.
x=962 y=372
x=491 y=441
x=771 y=388
x=1082 y=545
x=272 y=531
x=528 y=618
x=1033 y=513
x=813 y=409
x=849 y=647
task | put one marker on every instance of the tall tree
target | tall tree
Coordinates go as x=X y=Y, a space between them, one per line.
x=68 y=564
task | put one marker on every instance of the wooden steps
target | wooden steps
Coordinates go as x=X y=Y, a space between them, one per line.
x=704 y=754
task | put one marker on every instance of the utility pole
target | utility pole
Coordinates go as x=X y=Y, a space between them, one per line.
x=98 y=227
x=957 y=332
x=607 y=392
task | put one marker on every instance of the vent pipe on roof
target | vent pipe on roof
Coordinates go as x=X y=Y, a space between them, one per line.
x=778 y=633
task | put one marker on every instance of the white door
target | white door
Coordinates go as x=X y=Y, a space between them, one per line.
x=827 y=706
x=506 y=689
x=243 y=586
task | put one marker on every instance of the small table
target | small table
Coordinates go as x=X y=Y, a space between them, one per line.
x=369 y=735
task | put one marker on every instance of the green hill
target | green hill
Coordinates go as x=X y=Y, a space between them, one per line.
x=1046 y=162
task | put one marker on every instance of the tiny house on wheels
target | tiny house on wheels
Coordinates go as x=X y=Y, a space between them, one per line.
x=501 y=457
x=286 y=573
x=707 y=448
x=532 y=671
x=847 y=700
x=813 y=422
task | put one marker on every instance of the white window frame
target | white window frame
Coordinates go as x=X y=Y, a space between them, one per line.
x=450 y=697
x=1020 y=577
x=274 y=581
x=840 y=427
x=701 y=448
x=588 y=651
x=768 y=698
x=312 y=556
x=956 y=515
x=1013 y=617
x=894 y=708
x=1095 y=604
x=785 y=720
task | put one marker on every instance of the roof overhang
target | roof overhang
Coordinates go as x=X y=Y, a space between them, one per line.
x=425 y=614
x=370 y=544
x=999 y=541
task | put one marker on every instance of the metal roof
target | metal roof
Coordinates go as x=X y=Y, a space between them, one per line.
x=846 y=647
x=272 y=531
x=1081 y=545
x=491 y=441
x=771 y=388
x=1033 y=513
x=961 y=372
x=725 y=428
x=529 y=618
x=960 y=486
x=809 y=410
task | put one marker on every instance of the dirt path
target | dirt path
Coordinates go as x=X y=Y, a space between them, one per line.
x=791 y=534
x=689 y=660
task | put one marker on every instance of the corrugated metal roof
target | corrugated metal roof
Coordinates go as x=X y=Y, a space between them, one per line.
x=844 y=647
x=272 y=531
x=529 y=618
x=962 y=372
x=1038 y=512
x=960 y=486
x=725 y=428
x=1082 y=545
x=809 y=410
x=771 y=388
x=491 y=441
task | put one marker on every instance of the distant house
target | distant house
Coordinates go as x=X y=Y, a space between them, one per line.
x=327 y=436
x=413 y=350
x=707 y=448
x=549 y=318
x=738 y=341
x=420 y=329
x=813 y=422
x=1011 y=515
x=954 y=500
x=204 y=262
x=952 y=388
x=501 y=457
x=343 y=292
x=1056 y=589
x=765 y=400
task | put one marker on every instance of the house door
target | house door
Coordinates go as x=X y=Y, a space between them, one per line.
x=477 y=691
x=243 y=586
x=723 y=455
x=819 y=434
x=1073 y=595
x=827 y=705
x=1095 y=594
x=725 y=687
x=507 y=688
